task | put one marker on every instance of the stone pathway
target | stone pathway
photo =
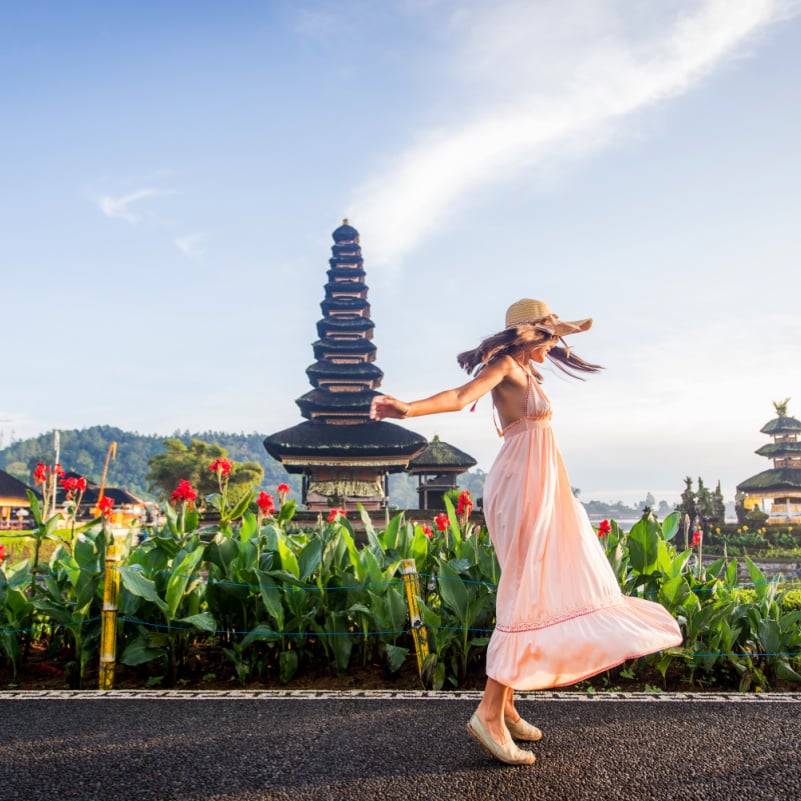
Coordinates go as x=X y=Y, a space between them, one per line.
x=192 y=745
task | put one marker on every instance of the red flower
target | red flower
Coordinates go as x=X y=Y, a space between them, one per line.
x=335 y=514
x=183 y=492
x=40 y=473
x=604 y=528
x=282 y=488
x=427 y=531
x=265 y=503
x=465 y=504
x=57 y=470
x=2 y=552
x=222 y=467
x=104 y=506
x=72 y=485
x=442 y=521
x=697 y=537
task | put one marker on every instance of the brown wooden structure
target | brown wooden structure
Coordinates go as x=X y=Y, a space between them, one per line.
x=13 y=498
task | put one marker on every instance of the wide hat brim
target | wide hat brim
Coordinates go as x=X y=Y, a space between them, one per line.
x=528 y=311
x=561 y=328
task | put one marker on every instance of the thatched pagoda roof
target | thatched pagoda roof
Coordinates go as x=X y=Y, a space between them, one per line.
x=778 y=448
x=780 y=478
x=353 y=326
x=318 y=399
x=781 y=424
x=343 y=346
x=440 y=455
x=365 y=442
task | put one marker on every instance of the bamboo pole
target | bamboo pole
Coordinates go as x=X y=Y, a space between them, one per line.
x=110 y=454
x=108 y=630
x=411 y=581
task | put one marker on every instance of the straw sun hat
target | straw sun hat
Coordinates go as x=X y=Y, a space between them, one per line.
x=539 y=313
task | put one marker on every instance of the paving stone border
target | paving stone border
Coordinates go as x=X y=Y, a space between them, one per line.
x=392 y=695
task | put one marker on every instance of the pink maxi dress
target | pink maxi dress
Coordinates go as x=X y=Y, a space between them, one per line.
x=560 y=614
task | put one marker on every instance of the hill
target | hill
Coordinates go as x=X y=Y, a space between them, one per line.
x=85 y=450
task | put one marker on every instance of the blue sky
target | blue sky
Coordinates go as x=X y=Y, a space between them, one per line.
x=172 y=171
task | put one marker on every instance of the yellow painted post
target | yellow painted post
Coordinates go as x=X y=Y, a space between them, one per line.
x=108 y=630
x=412 y=583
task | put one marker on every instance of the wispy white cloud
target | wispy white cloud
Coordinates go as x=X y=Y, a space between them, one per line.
x=547 y=81
x=120 y=208
x=192 y=245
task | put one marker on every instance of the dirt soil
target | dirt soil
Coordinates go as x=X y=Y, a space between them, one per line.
x=208 y=669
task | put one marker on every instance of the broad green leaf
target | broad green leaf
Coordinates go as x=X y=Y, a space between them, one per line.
x=785 y=672
x=673 y=592
x=221 y=551
x=453 y=590
x=287 y=665
x=396 y=656
x=249 y=527
x=670 y=525
x=310 y=558
x=239 y=509
x=287 y=512
x=183 y=574
x=643 y=546
x=261 y=633
x=289 y=561
x=340 y=641
x=390 y=535
x=203 y=621
x=138 y=585
x=137 y=652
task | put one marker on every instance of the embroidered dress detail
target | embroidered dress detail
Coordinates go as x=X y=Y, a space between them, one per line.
x=560 y=614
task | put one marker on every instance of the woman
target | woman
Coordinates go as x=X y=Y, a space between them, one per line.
x=560 y=614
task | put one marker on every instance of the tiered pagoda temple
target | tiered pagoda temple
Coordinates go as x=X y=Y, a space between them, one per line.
x=778 y=491
x=345 y=458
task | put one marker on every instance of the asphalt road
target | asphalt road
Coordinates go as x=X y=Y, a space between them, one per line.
x=247 y=746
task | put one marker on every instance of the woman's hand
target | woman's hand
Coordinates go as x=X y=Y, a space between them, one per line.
x=387 y=406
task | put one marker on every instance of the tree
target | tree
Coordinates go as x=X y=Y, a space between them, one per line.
x=704 y=505
x=192 y=464
x=688 y=506
x=719 y=505
x=664 y=510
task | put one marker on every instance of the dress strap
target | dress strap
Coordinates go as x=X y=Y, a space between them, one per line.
x=529 y=411
x=528 y=404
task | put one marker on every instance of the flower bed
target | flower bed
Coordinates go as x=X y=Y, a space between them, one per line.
x=259 y=601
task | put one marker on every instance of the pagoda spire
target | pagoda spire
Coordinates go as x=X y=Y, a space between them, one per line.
x=344 y=377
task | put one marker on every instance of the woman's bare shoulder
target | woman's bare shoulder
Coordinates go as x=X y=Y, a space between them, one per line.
x=503 y=364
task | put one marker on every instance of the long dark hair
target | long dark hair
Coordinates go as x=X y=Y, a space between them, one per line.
x=518 y=341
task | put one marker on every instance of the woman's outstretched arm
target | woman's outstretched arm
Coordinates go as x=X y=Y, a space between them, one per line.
x=451 y=400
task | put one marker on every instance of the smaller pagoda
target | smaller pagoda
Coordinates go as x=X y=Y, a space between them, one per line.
x=437 y=469
x=777 y=491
